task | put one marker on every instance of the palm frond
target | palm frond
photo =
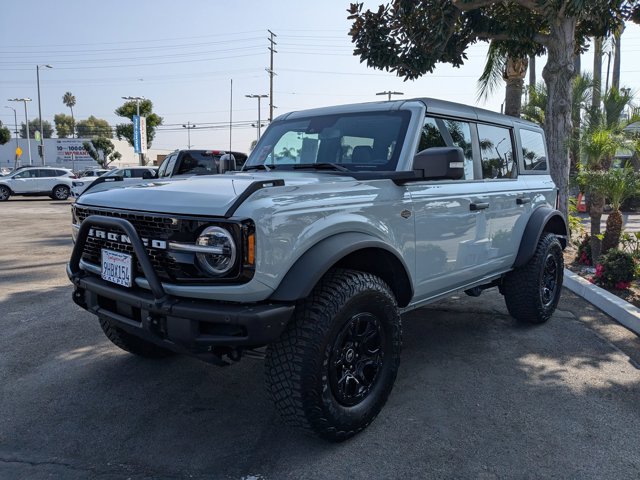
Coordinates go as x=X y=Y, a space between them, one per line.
x=492 y=75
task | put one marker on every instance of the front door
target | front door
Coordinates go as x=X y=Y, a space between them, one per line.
x=25 y=181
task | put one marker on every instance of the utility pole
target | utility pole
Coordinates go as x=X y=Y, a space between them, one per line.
x=389 y=93
x=26 y=119
x=15 y=124
x=253 y=95
x=189 y=126
x=271 y=72
x=40 y=112
x=137 y=100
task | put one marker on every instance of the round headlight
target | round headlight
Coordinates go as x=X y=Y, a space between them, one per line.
x=222 y=248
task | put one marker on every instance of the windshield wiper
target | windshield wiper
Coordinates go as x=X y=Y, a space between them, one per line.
x=260 y=166
x=322 y=166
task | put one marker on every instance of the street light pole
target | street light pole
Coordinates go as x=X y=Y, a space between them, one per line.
x=137 y=100
x=26 y=119
x=189 y=126
x=40 y=111
x=15 y=125
x=389 y=93
x=253 y=95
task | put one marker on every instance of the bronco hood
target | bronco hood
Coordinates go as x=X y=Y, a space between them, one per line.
x=206 y=195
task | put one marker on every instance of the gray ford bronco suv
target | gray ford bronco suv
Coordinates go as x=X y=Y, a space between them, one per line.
x=342 y=219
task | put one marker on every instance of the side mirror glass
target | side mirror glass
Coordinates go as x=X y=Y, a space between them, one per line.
x=439 y=163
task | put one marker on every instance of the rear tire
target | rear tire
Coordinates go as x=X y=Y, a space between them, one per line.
x=5 y=193
x=131 y=343
x=60 y=192
x=331 y=371
x=532 y=291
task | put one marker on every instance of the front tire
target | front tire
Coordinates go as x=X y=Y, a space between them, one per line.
x=131 y=343
x=60 y=192
x=532 y=291
x=333 y=369
x=5 y=193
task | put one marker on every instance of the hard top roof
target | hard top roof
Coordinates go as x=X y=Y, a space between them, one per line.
x=433 y=105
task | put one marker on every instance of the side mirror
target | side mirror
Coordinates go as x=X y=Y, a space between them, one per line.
x=148 y=175
x=227 y=163
x=439 y=163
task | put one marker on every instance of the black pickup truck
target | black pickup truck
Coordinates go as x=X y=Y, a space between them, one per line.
x=200 y=162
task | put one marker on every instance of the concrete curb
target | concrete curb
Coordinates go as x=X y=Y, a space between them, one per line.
x=621 y=311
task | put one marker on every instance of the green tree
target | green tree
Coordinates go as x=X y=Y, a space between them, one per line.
x=35 y=125
x=94 y=127
x=5 y=135
x=128 y=110
x=411 y=38
x=69 y=100
x=64 y=125
x=101 y=149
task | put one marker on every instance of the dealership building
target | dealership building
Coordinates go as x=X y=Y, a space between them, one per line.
x=69 y=153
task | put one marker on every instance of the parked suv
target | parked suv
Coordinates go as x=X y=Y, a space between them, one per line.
x=37 y=181
x=342 y=219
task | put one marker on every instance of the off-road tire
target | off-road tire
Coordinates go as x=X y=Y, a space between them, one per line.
x=532 y=291
x=131 y=343
x=60 y=192
x=5 y=193
x=302 y=367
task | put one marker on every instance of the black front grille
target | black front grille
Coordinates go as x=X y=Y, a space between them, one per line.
x=151 y=227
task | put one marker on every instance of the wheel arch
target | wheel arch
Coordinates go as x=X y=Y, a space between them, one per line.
x=353 y=250
x=542 y=220
x=10 y=189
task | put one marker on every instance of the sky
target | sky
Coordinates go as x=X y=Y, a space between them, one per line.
x=184 y=55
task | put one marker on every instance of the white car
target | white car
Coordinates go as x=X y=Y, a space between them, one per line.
x=37 y=181
x=81 y=184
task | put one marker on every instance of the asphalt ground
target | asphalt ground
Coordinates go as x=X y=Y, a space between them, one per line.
x=478 y=396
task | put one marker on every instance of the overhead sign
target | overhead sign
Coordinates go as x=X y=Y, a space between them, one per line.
x=71 y=150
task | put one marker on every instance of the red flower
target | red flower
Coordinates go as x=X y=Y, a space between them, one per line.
x=599 y=270
x=623 y=285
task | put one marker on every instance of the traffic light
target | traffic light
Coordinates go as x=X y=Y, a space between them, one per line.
x=40 y=151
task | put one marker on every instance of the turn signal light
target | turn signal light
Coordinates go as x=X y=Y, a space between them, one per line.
x=251 y=249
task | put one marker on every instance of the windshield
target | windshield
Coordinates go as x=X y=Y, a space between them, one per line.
x=357 y=142
x=114 y=173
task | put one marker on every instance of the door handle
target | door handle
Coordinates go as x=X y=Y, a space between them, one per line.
x=523 y=200
x=478 y=206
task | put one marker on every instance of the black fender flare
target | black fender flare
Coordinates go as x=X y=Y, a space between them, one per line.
x=307 y=271
x=543 y=219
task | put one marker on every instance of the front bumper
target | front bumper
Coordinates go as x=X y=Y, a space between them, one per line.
x=183 y=325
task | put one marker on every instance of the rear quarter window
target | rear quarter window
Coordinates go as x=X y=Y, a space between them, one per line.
x=534 y=155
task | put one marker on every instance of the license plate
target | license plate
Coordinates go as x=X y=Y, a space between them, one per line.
x=116 y=267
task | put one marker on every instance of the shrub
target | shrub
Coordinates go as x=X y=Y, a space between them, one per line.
x=615 y=270
x=583 y=256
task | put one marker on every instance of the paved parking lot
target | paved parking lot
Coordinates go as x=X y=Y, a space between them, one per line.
x=478 y=396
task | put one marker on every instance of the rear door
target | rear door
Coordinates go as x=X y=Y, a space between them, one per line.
x=509 y=201
x=46 y=179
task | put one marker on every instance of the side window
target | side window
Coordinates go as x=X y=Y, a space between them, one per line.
x=138 y=173
x=163 y=167
x=533 y=151
x=44 y=173
x=439 y=132
x=496 y=151
x=169 y=164
x=27 y=174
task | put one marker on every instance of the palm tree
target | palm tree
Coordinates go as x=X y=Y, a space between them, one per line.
x=511 y=69
x=599 y=147
x=618 y=185
x=70 y=101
